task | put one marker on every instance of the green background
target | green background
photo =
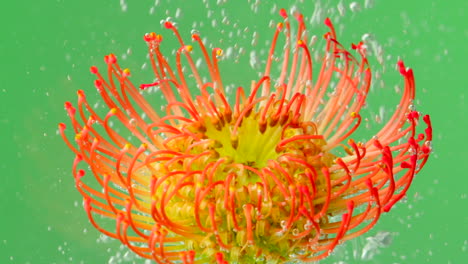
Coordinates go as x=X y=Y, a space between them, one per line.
x=46 y=49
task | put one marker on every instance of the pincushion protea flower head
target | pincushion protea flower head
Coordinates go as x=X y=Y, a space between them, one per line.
x=260 y=180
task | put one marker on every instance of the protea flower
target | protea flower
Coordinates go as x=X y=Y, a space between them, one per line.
x=273 y=177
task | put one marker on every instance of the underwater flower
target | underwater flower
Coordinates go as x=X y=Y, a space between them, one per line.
x=269 y=174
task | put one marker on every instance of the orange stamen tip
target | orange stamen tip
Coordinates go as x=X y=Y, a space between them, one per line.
x=427 y=119
x=70 y=109
x=113 y=111
x=62 y=126
x=300 y=17
x=78 y=158
x=354 y=114
x=98 y=84
x=168 y=24
x=280 y=25
x=80 y=173
x=110 y=59
x=93 y=69
x=300 y=43
x=80 y=93
x=78 y=136
x=143 y=146
x=127 y=146
x=188 y=48
x=150 y=36
x=426 y=149
x=413 y=115
x=357 y=46
x=351 y=141
x=159 y=38
x=195 y=36
x=328 y=22
x=283 y=13
x=219 y=52
x=219 y=258
x=126 y=72
x=403 y=70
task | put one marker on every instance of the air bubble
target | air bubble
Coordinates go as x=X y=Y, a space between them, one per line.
x=254 y=60
x=368 y=3
x=355 y=7
x=295 y=232
x=341 y=8
x=123 y=6
x=178 y=13
x=254 y=39
x=283 y=224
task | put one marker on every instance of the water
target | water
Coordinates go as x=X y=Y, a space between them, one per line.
x=47 y=50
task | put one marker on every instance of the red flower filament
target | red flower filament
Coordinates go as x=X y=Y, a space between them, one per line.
x=257 y=180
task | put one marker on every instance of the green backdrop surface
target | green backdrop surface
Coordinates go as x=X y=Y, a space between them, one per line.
x=46 y=48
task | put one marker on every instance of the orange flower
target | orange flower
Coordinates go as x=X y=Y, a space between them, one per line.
x=265 y=179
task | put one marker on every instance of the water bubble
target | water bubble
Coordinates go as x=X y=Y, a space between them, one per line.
x=254 y=38
x=374 y=243
x=295 y=232
x=128 y=256
x=367 y=37
x=368 y=3
x=355 y=7
x=341 y=8
x=283 y=224
x=123 y=6
x=254 y=60
x=178 y=13
x=112 y=260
